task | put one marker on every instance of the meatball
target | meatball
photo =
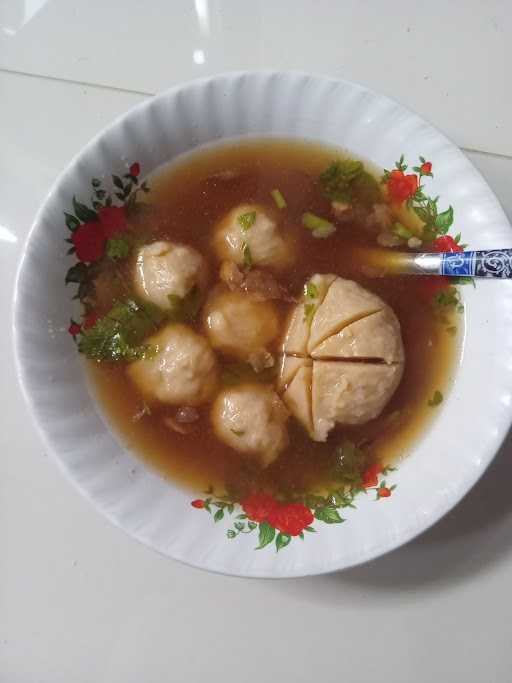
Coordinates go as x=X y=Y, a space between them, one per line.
x=251 y=419
x=183 y=370
x=238 y=325
x=258 y=238
x=337 y=323
x=165 y=268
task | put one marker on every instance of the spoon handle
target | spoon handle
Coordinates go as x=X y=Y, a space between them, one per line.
x=494 y=263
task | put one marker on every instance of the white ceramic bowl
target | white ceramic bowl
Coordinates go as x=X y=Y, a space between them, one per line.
x=447 y=460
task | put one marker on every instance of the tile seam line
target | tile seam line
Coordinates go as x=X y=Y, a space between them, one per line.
x=70 y=81
x=129 y=91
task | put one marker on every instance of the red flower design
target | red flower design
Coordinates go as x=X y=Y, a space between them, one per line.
x=74 y=329
x=431 y=286
x=291 y=519
x=258 y=506
x=135 y=169
x=426 y=168
x=197 y=504
x=383 y=492
x=446 y=243
x=91 y=320
x=371 y=475
x=401 y=186
x=112 y=220
x=89 y=242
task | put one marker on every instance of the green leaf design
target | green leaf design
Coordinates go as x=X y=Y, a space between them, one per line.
x=239 y=526
x=282 y=540
x=85 y=289
x=84 y=213
x=328 y=514
x=71 y=221
x=77 y=273
x=117 y=182
x=230 y=533
x=444 y=220
x=310 y=530
x=251 y=525
x=422 y=213
x=266 y=535
x=218 y=515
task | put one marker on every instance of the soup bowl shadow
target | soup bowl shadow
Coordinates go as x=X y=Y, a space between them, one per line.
x=469 y=540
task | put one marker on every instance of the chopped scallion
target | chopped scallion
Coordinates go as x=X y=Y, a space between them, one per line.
x=278 y=198
x=246 y=250
x=401 y=231
x=247 y=220
x=311 y=290
x=321 y=227
x=436 y=399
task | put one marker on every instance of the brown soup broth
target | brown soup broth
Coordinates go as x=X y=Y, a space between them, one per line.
x=185 y=201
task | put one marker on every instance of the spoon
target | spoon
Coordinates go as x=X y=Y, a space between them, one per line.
x=493 y=263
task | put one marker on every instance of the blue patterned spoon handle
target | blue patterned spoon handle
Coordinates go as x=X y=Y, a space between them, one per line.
x=494 y=263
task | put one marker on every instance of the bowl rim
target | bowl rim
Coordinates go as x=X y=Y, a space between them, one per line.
x=404 y=538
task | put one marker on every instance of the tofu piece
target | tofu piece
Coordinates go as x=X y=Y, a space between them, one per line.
x=344 y=366
x=350 y=393
x=298 y=329
x=344 y=303
x=288 y=368
x=297 y=397
x=377 y=337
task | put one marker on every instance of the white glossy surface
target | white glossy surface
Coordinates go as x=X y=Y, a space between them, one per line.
x=447 y=60
x=80 y=601
x=109 y=474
